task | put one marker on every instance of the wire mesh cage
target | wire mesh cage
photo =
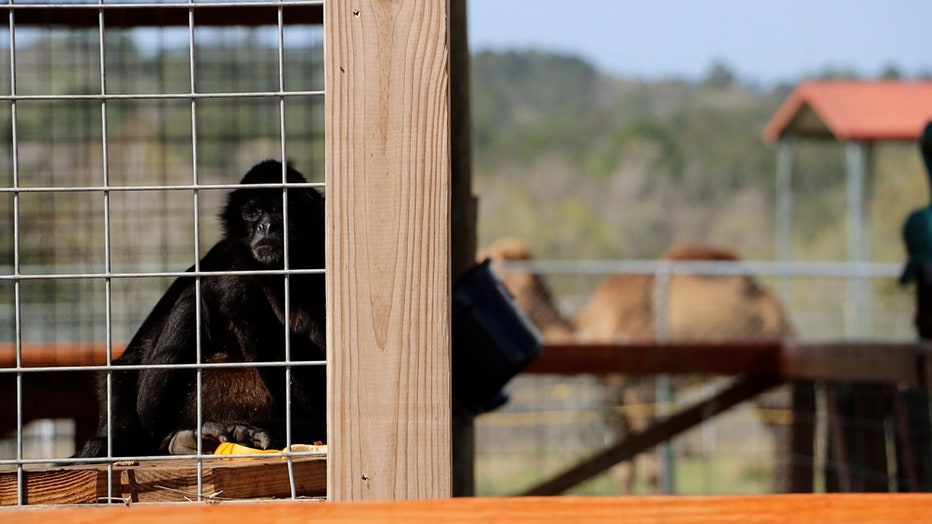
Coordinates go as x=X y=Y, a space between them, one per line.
x=125 y=127
x=153 y=135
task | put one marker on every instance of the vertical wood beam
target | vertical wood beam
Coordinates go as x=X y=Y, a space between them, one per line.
x=464 y=204
x=388 y=245
x=464 y=207
x=800 y=475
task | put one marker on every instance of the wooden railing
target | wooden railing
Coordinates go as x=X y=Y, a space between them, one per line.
x=882 y=362
x=757 y=365
x=776 y=509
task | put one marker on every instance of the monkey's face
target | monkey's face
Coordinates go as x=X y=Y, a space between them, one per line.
x=252 y=219
x=266 y=235
x=264 y=231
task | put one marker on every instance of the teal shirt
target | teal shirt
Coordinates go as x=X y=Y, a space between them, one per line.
x=917 y=230
x=917 y=234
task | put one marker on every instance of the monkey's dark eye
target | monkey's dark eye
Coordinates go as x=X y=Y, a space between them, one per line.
x=251 y=213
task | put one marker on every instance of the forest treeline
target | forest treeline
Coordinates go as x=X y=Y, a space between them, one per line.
x=582 y=164
x=579 y=163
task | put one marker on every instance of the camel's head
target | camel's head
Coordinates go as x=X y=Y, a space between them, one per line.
x=505 y=248
x=528 y=289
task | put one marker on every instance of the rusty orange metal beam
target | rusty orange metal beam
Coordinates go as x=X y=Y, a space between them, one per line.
x=58 y=354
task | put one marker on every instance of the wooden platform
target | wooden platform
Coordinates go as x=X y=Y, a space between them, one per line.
x=169 y=481
x=782 y=509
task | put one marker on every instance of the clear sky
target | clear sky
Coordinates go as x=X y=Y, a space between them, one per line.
x=761 y=41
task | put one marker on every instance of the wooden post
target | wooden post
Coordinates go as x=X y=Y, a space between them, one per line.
x=388 y=267
x=799 y=477
x=462 y=222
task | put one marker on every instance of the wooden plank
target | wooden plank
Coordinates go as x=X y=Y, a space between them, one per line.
x=776 y=509
x=169 y=481
x=858 y=361
x=49 y=487
x=759 y=358
x=463 y=216
x=854 y=361
x=236 y=479
x=129 y=16
x=631 y=445
x=880 y=362
x=388 y=248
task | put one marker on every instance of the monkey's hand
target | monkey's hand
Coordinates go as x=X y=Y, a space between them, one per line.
x=184 y=442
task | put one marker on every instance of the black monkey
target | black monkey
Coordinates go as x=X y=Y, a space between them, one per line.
x=153 y=411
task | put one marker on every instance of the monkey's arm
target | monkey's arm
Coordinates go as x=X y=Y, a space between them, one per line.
x=162 y=391
x=167 y=400
x=130 y=435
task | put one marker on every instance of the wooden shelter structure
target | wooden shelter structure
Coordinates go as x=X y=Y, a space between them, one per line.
x=853 y=111
x=857 y=113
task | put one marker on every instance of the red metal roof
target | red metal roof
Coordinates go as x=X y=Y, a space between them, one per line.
x=854 y=110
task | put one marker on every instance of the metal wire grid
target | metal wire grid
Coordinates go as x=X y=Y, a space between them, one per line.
x=550 y=422
x=824 y=299
x=107 y=188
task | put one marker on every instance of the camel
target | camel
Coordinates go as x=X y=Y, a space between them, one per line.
x=528 y=290
x=622 y=308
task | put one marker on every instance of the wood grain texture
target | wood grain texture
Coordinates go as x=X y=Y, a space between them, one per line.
x=50 y=487
x=388 y=268
x=776 y=509
x=169 y=481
